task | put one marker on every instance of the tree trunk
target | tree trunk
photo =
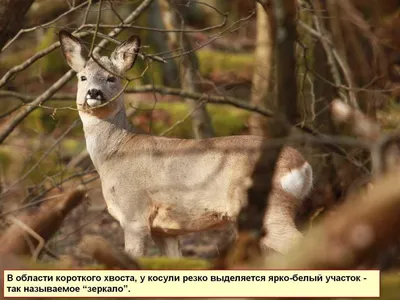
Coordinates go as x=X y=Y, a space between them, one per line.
x=323 y=94
x=12 y=13
x=262 y=71
x=188 y=70
x=159 y=40
x=252 y=217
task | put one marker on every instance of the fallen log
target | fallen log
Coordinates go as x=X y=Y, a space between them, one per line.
x=29 y=231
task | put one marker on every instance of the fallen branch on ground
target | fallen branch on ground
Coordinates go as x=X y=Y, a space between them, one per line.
x=44 y=222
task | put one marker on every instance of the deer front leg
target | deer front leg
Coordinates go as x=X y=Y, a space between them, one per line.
x=169 y=246
x=136 y=239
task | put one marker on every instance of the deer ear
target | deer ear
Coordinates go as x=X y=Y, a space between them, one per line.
x=124 y=56
x=73 y=49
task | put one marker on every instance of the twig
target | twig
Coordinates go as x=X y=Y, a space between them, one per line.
x=44 y=25
x=29 y=230
x=45 y=222
x=96 y=28
x=132 y=17
x=183 y=120
x=48 y=151
x=163 y=91
x=213 y=38
x=65 y=78
x=33 y=59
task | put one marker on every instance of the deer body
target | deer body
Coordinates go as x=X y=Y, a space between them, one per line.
x=164 y=187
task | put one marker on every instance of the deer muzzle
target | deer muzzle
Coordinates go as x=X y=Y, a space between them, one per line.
x=94 y=97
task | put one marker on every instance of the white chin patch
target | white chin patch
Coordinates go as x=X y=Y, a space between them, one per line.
x=93 y=102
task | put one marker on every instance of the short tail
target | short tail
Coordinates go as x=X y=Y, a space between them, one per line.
x=298 y=182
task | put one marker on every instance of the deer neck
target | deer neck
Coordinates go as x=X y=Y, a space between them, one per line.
x=105 y=135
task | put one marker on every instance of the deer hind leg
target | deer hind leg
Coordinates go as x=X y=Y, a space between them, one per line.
x=284 y=199
x=169 y=246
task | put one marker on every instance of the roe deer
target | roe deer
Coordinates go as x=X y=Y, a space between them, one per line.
x=160 y=188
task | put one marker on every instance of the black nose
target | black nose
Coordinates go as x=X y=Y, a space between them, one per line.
x=95 y=94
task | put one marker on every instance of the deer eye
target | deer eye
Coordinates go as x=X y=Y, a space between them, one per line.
x=111 y=79
x=83 y=78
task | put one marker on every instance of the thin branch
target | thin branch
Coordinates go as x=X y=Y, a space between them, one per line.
x=85 y=17
x=29 y=230
x=163 y=91
x=25 y=111
x=33 y=59
x=222 y=24
x=230 y=27
x=132 y=17
x=96 y=28
x=48 y=151
x=65 y=78
x=26 y=30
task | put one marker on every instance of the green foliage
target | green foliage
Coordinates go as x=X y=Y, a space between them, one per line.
x=15 y=58
x=71 y=146
x=389 y=117
x=5 y=160
x=34 y=122
x=390 y=286
x=147 y=263
x=165 y=263
x=216 y=61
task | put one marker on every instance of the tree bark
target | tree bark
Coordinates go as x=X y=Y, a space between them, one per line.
x=251 y=218
x=263 y=66
x=12 y=13
x=159 y=40
x=323 y=93
x=188 y=70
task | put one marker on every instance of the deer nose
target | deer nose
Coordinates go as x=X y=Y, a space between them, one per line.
x=95 y=94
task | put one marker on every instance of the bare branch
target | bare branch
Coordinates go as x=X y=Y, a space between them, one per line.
x=26 y=30
x=45 y=222
x=64 y=79
x=12 y=13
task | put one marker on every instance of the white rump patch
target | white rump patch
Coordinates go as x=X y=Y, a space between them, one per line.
x=298 y=182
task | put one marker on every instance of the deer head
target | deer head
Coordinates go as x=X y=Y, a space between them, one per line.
x=99 y=78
